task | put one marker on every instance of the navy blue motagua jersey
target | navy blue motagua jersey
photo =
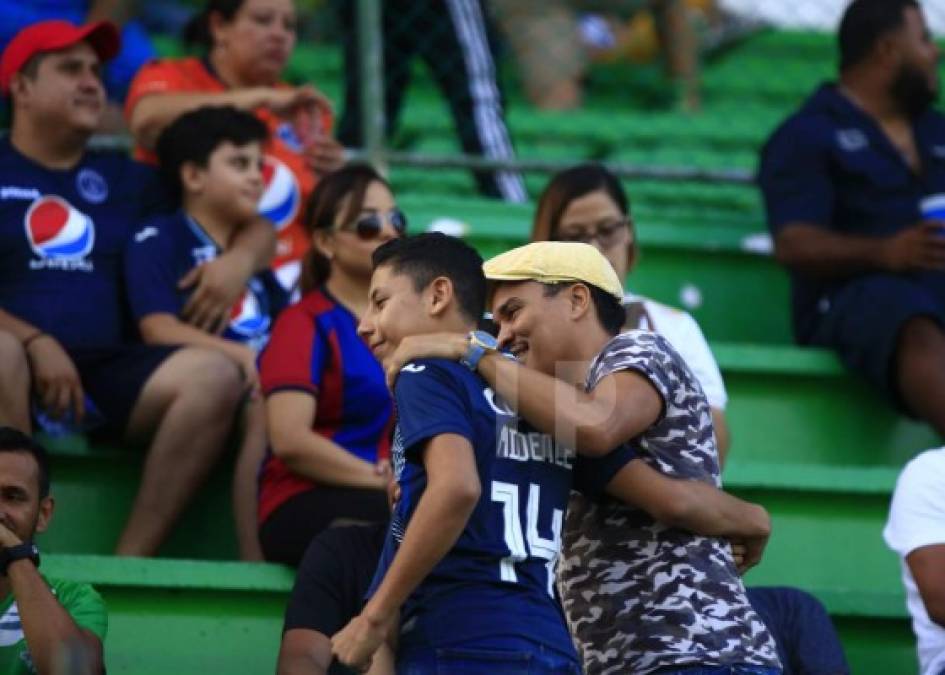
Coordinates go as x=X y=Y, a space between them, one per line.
x=164 y=249
x=62 y=239
x=498 y=579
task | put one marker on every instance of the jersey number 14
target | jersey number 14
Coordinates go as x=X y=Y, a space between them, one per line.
x=528 y=543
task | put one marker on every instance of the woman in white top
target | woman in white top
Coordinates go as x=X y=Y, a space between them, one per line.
x=586 y=203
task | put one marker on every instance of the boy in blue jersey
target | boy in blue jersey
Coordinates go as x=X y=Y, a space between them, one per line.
x=641 y=593
x=212 y=158
x=469 y=560
x=65 y=216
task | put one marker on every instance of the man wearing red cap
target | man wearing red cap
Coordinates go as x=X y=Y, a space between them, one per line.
x=65 y=216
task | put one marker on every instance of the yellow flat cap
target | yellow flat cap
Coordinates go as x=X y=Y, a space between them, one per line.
x=552 y=262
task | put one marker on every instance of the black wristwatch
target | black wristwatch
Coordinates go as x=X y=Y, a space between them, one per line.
x=13 y=553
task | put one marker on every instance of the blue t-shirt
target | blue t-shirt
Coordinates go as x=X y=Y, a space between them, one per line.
x=831 y=165
x=164 y=249
x=498 y=579
x=62 y=240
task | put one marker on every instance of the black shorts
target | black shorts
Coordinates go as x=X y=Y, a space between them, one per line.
x=113 y=378
x=333 y=578
x=863 y=320
x=288 y=530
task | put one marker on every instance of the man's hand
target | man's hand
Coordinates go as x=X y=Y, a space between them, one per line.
x=55 y=378
x=748 y=550
x=218 y=285
x=7 y=537
x=355 y=644
x=450 y=346
x=920 y=247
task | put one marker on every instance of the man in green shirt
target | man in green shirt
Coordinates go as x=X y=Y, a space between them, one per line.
x=45 y=625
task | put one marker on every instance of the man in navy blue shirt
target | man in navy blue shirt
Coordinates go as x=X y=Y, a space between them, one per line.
x=469 y=562
x=844 y=180
x=65 y=217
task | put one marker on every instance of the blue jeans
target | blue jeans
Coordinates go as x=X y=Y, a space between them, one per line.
x=537 y=660
x=741 y=669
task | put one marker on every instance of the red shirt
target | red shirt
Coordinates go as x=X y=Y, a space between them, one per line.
x=288 y=179
x=315 y=348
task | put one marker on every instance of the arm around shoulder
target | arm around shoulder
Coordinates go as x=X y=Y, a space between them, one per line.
x=621 y=407
x=688 y=504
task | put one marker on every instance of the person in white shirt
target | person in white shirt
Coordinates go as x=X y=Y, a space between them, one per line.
x=916 y=532
x=586 y=203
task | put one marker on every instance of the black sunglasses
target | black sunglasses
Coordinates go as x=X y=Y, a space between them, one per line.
x=369 y=227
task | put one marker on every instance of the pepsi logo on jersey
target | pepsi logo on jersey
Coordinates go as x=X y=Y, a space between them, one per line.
x=281 y=196
x=248 y=319
x=60 y=235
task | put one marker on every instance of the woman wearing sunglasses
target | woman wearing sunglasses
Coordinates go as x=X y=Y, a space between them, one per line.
x=586 y=203
x=327 y=406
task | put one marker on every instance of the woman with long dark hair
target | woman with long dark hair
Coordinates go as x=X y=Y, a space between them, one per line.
x=328 y=408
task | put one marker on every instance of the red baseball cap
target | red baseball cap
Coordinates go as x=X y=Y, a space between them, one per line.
x=51 y=36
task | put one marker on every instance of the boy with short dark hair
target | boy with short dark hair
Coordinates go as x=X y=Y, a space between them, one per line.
x=468 y=566
x=212 y=159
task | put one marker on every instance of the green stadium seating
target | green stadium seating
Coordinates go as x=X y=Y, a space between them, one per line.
x=182 y=616
x=196 y=616
x=811 y=442
x=715 y=272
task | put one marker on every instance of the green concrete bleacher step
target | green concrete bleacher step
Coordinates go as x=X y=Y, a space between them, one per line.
x=800 y=406
x=196 y=616
x=183 y=616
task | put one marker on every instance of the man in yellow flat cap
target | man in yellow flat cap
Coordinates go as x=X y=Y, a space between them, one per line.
x=640 y=594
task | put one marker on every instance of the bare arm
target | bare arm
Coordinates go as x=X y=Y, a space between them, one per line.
x=254 y=244
x=620 y=407
x=723 y=437
x=304 y=652
x=308 y=652
x=311 y=455
x=154 y=112
x=816 y=251
x=694 y=506
x=47 y=626
x=927 y=565
x=21 y=330
x=688 y=504
x=451 y=495
x=55 y=378
x=218 y=284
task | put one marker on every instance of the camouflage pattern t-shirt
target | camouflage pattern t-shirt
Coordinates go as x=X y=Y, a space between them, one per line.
x=638 y=595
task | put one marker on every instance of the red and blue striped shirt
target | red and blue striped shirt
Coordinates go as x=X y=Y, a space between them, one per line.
x=315 y=348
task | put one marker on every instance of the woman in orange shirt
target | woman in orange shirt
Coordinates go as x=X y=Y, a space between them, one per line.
x=248 y=43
